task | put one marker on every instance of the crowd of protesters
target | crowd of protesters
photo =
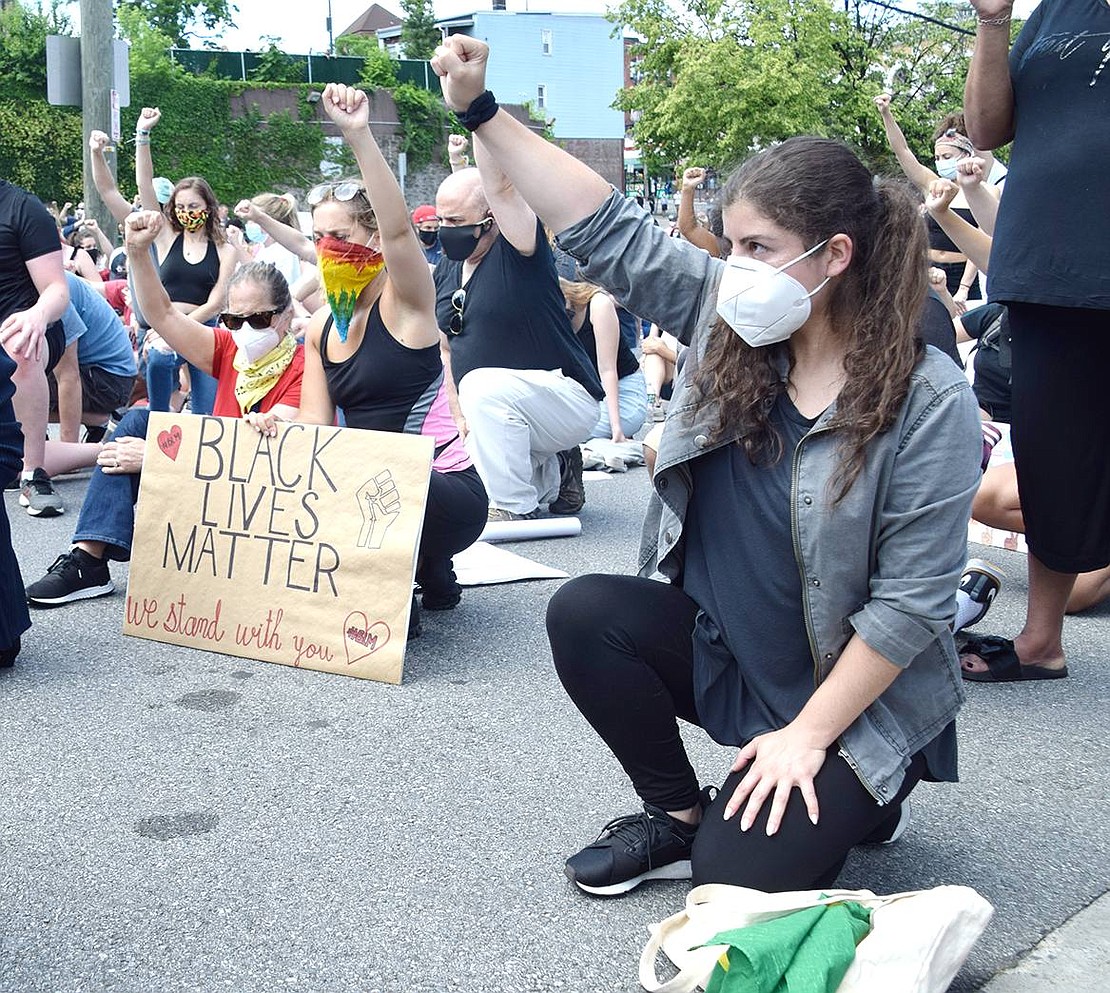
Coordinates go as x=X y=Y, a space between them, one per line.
x=816 y=446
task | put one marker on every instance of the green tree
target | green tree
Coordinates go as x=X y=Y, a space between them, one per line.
x=23 y=45
x=725 y=77
x=276 y=66
x=177 y=18
x=419 y=34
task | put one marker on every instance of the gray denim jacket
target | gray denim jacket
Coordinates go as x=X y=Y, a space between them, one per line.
x=884 y=562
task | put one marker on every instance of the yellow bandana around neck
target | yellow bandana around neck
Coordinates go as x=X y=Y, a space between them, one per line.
x=256 y=379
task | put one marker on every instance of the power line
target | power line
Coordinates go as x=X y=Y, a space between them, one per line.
x=923 y=17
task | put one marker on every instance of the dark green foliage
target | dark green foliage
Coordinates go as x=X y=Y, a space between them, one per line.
x=419 y=34
x=174 y=17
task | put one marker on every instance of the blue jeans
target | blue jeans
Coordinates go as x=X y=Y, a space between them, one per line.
x=108 y=513
x=633 y=405
x=161 y=381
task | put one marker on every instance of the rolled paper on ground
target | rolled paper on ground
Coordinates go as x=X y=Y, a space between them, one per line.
x=544 y=527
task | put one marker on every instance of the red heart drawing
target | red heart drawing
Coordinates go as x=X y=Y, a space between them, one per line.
x=170 y=442
x=363 y=639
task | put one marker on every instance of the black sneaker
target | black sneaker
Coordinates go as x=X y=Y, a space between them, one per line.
x=572 y=492
x=40 y=498
x=76 y=575
x=631 y=850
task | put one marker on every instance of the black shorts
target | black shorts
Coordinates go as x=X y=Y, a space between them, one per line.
x=101 y=392
x=55 y=344
x=1061 y=433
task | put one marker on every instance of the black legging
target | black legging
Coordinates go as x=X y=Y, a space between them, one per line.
x=454 y=517
x=623 y=650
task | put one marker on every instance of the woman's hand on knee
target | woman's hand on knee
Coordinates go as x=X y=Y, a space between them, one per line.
x=777 y=763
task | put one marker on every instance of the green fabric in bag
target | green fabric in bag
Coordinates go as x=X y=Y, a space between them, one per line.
x=808 y=951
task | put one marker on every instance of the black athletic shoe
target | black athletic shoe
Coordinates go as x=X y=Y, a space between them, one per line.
x=76 y=575
x=572 y=491
x=631 y=850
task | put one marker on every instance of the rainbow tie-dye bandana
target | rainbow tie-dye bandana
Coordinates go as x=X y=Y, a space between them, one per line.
x=346 y=269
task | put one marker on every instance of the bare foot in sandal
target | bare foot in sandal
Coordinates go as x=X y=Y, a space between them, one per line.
x=990 y=659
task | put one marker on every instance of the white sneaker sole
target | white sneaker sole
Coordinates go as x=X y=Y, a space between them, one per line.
x=674 y=870
x=88 y=593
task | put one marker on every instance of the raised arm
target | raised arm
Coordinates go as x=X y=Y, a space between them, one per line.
x=970 y=240
x=921 y=176
x=408 y=302
x=144 y=165
x=559 y=188
x=988 y=92
x=103 y=179
x=982 y=199
x=183 y=334
x=688 y=225
x=289 y=238
x=457 y=145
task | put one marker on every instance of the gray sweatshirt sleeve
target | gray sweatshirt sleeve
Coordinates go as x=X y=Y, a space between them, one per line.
x=665 y=280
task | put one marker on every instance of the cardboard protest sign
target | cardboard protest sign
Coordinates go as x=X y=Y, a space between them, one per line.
x=298 y=549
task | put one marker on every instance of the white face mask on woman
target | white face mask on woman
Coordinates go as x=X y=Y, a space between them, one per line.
x=254 y=344
x=762 y=304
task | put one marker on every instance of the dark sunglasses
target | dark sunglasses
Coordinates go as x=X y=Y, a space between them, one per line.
x=336 y=191
x=458 y=301
x=263 y=319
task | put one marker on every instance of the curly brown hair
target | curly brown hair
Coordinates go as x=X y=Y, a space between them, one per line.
x=816 y=188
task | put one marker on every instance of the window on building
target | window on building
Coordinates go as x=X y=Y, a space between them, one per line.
x=499 y=5
x=541 y=97
x=545 y=41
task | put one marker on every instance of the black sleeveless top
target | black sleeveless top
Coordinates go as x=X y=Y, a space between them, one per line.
x=186 y=282
x=626 y=360
x=938 y=240
x=384 y=384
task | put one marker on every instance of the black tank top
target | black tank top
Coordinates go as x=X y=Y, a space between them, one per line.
x=384 y=385
x=938 y=240
x=626 y=360
x=186 y=282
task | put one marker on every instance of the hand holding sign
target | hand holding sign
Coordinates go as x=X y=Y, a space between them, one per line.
x=380 y=504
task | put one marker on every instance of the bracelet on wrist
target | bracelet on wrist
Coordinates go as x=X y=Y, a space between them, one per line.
x=482 y=108
x=142 y=141
x=994 y=22
x=139 y=131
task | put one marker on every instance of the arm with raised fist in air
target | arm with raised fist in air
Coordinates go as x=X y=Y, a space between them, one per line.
x=988 y=92
x=688 y=226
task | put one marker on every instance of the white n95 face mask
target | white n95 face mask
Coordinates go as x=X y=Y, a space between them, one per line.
x=255 y=344
x=762 y=304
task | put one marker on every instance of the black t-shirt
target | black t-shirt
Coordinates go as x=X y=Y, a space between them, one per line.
x=753 y=666
x=27 y=232
x=1050 y=245
x=991 y=326
x=514 y=315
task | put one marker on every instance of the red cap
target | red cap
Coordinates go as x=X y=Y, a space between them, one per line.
x=425 y=212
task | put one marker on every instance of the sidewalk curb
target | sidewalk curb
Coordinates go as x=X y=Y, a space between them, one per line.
x=1074 y=958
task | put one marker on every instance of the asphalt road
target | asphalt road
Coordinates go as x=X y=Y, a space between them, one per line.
x=173 y=820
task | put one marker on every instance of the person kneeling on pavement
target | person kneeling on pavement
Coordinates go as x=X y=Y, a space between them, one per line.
x=257 y=364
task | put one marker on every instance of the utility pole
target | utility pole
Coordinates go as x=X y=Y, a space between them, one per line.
x=96 y=98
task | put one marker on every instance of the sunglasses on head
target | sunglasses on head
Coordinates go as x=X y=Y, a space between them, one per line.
x=263 y=319
x=458 y=301
x=335 y=191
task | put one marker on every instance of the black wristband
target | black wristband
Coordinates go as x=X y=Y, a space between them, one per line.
x=481 y=109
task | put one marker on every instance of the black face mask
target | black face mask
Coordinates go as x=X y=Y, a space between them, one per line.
x=459 y=243
x=428 y=237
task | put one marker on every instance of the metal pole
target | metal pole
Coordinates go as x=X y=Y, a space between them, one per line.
x=96 y=98
x=331 y=39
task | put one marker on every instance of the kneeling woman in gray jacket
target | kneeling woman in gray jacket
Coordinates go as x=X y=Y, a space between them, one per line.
x=808 y=526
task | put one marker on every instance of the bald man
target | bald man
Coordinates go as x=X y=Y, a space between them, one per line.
x=527 y=392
